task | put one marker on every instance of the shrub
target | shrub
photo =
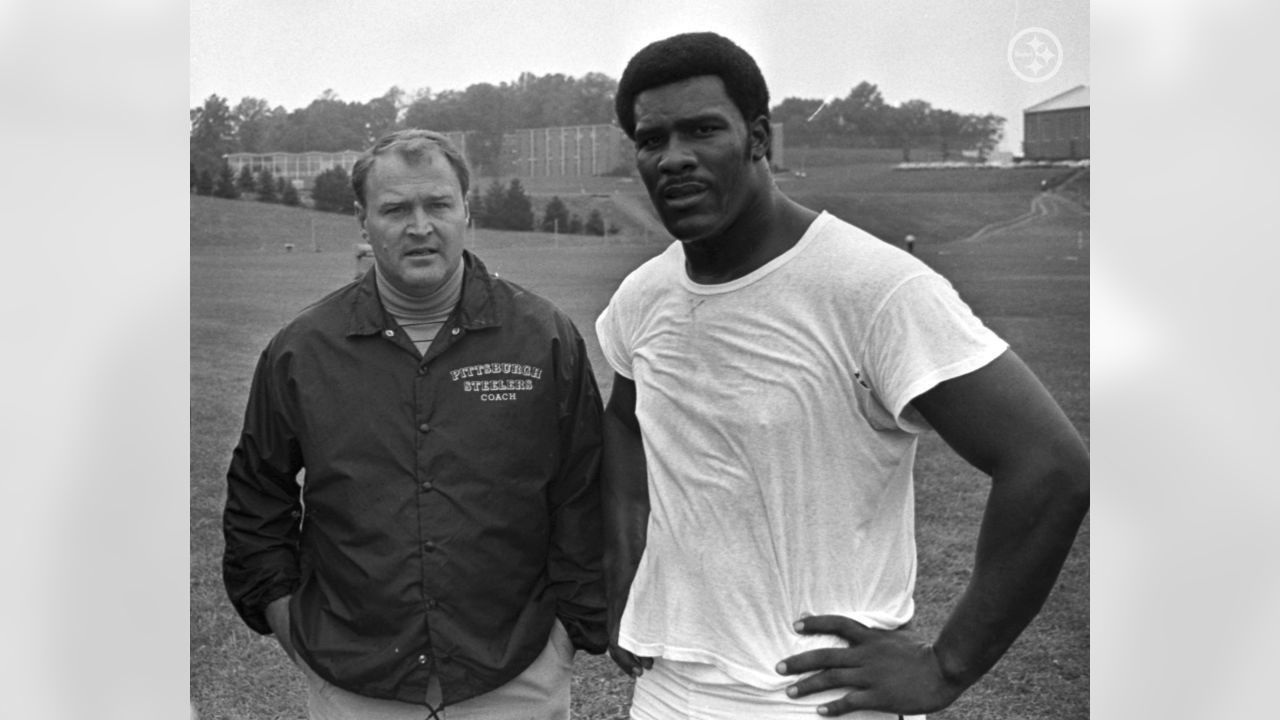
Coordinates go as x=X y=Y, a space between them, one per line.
x=332 y=191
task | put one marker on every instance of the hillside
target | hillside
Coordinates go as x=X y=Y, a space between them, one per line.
x=935 y=206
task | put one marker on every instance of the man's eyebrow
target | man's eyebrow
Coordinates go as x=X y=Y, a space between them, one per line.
x=398 y=198
x=709 y=116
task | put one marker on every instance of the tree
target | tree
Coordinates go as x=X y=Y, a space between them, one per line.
x=983 y=132
x=519 y=209
x=267 y=186
x=204 y=183
x=495 y=206
x=383 y=113
x=864 y=110
x=555 y=217
x=910 y=122
x=289 y=194
x=479 y=213
x=252 y=118
x=332 y=191
x=949 y=125
x=225 y=185
x=245 y=181
x=595 y=223
x=575 y=224
x=211 y=134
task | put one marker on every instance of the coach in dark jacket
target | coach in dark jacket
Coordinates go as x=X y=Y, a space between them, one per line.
x=441 y=546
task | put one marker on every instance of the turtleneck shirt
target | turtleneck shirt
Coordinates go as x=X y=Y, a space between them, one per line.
x=421 y=316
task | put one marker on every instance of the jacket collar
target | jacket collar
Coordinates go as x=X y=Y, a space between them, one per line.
x=479 y=306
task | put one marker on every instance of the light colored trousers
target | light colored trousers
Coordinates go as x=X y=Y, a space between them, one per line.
x=673 y=690
x=541 y=692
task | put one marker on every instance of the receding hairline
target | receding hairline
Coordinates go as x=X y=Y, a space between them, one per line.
x=431 y=155
x=413 y=146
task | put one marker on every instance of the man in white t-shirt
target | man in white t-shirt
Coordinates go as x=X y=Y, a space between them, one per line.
x=773 y=369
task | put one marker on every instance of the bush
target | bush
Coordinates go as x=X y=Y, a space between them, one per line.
x=503 y=209
x=519 y=208
x=332 y=191
x=225 y=185
x=555 y=217
x=267 y=187
x=244 y=180
x=595 y=223
x=289 y=195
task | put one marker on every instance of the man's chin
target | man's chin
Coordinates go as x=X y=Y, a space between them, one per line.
x=693 y=236
x=690 y=229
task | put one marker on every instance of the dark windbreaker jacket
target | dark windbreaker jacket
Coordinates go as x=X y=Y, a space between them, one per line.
x=450 y=505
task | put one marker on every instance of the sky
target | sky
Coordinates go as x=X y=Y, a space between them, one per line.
x=953 y=55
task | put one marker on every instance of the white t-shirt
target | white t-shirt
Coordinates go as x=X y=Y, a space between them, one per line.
x=780 y=443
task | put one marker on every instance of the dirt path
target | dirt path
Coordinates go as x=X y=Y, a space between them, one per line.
x=1044 y=205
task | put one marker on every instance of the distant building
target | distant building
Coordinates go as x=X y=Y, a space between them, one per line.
x=581 y=150
x=1058 y=128
x=569 y=151
x=301 y=168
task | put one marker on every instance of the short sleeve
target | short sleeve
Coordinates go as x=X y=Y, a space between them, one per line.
x=614 y=342
x=922 y=335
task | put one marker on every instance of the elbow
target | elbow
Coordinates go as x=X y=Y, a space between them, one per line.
x=1068 y=478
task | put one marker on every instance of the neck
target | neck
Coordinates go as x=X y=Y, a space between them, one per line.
x=771 y=225
x=435 y=302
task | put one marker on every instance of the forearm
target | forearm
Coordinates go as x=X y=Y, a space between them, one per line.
x=626 y=508
x=1027 y=531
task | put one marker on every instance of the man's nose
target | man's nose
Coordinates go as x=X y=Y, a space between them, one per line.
x=676 y=158
x=420 y=223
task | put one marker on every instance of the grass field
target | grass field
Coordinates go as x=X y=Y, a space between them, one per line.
x=1031 y=286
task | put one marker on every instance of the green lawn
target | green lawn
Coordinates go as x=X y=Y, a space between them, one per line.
x=1032 y=288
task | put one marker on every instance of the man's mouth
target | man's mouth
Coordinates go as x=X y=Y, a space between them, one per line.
x=419 y=252
x=683 y=193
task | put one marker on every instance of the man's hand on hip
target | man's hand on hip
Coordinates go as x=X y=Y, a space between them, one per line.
x=887 y=670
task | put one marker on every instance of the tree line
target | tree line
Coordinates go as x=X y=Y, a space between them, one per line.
x=863 y=119
x=499 y=207
x=509 y=207
x=330 y=124
x=226 y=184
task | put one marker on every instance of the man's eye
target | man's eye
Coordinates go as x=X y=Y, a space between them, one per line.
x=705 y=129
x=647 y=143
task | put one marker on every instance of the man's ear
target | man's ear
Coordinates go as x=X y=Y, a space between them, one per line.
x=761 y=138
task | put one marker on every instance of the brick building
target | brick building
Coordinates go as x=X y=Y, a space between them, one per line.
x=1058 y=128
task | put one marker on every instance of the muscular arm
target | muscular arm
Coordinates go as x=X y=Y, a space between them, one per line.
x=1002 y=421
x=626 y=511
